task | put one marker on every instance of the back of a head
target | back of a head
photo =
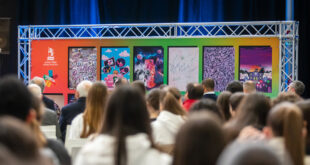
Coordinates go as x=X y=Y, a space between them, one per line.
x=120 y=82
x=285 y=120
x=234 y=86
x=253 y=110
x=235 y=100
x=206 y=105
x=83 y=88
x=19 y=140
x=35 y=90
x=250 y=153
x=153 y=97
x=223 y=103
x=16 y=98
x=298 y=86
x=39 y=81
x=140 y=86
x=286 y=97
x=249 y=87
x=194 y=91
x=304 y=106
x=199 y=141
x=208 y=84
x=169 y=100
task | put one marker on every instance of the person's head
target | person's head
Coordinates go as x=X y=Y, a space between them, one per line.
x=120 y=81
x=83 y=88
x=194 y=91
x=170 y=100
x=249 y=87
x=162 y=86
x=250 y=153
x=206 y=105
x=234 y=86
x=126 y=114
x=285 y=120
x=94 y=110
x=286 y=96
x=140 y=86
x=297 y=87
x=223 y=103
x=19 y=140
x=304 y=106
x=200 y=140
x=208 y=85
x=35 y=90
x=152 y=102
x=16 y=99
x=234 y=102
x=39 y=81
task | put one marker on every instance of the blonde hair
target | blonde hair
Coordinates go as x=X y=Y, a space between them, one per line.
x=95 y=105
x=286 y=120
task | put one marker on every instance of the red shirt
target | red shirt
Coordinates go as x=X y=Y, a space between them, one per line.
x=188 y=103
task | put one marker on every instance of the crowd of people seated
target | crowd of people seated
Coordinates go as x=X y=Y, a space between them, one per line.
x=128 y=125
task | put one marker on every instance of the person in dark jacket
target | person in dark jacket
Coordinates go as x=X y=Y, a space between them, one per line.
x=70 y=111
x=208 y=87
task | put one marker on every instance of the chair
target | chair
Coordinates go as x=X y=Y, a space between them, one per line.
x=49 y=131
x=67 y=132
x=73 y=146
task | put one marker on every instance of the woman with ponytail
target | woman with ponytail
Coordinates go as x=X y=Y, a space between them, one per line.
x=126 y=136
x=284 y=129
x=171 y=118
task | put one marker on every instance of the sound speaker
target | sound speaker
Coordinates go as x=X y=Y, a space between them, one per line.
x=4 y=35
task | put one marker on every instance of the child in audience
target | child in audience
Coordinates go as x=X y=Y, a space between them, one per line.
x=170 y=119
x=223 y=104
x=234 y=102
x=90 y=121
x=207 y=105
x=194 y=92
x=200 y=140
x=285 y=124
x=126 y=136
x=152 y=103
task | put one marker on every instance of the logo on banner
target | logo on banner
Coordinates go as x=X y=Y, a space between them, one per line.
x=50 y=78
x=50 y=60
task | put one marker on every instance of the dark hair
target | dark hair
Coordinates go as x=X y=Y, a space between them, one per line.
x=286 y=97
x=152 y=98
x=208 y=83
x=126 y=114
x=206 y=105
x=235 y=100
x=194 y=91
x=223 y=103
x=253 y=110
x=19 y=139
x=140 y=86
x=170 y=101
x=234 y=86
x=199 y=141
x=16 y=99
x=298 y=86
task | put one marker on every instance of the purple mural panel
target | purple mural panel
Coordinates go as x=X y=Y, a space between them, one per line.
x=256 y=65
x=219 y=64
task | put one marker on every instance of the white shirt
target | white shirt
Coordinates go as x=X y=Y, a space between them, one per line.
x=209 y=93
x=76 y=127
x=165 y=127
x=139 y=152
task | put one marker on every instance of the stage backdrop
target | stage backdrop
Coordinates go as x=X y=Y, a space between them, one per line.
x=219 y=58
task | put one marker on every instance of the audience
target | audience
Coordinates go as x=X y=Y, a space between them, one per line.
x=152 y=103
x=199 y=141
x=207 y=105
x=171 y=118
x=304 y=106
x=234 y=102
x=297 y=87
x=126 y=136
x=249 y=87
x=234 y=86
x=49 y=103
x=89 y=122
x=49 y=116
x=286 y=97
x=253 y=111
x=223 y=104
x=140 y=86
x=284 y=129
x=208 y=89
x=120 y=81
x=70 y=111
x=194 y=92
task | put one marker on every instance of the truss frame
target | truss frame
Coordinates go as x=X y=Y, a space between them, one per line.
x=286 y=31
